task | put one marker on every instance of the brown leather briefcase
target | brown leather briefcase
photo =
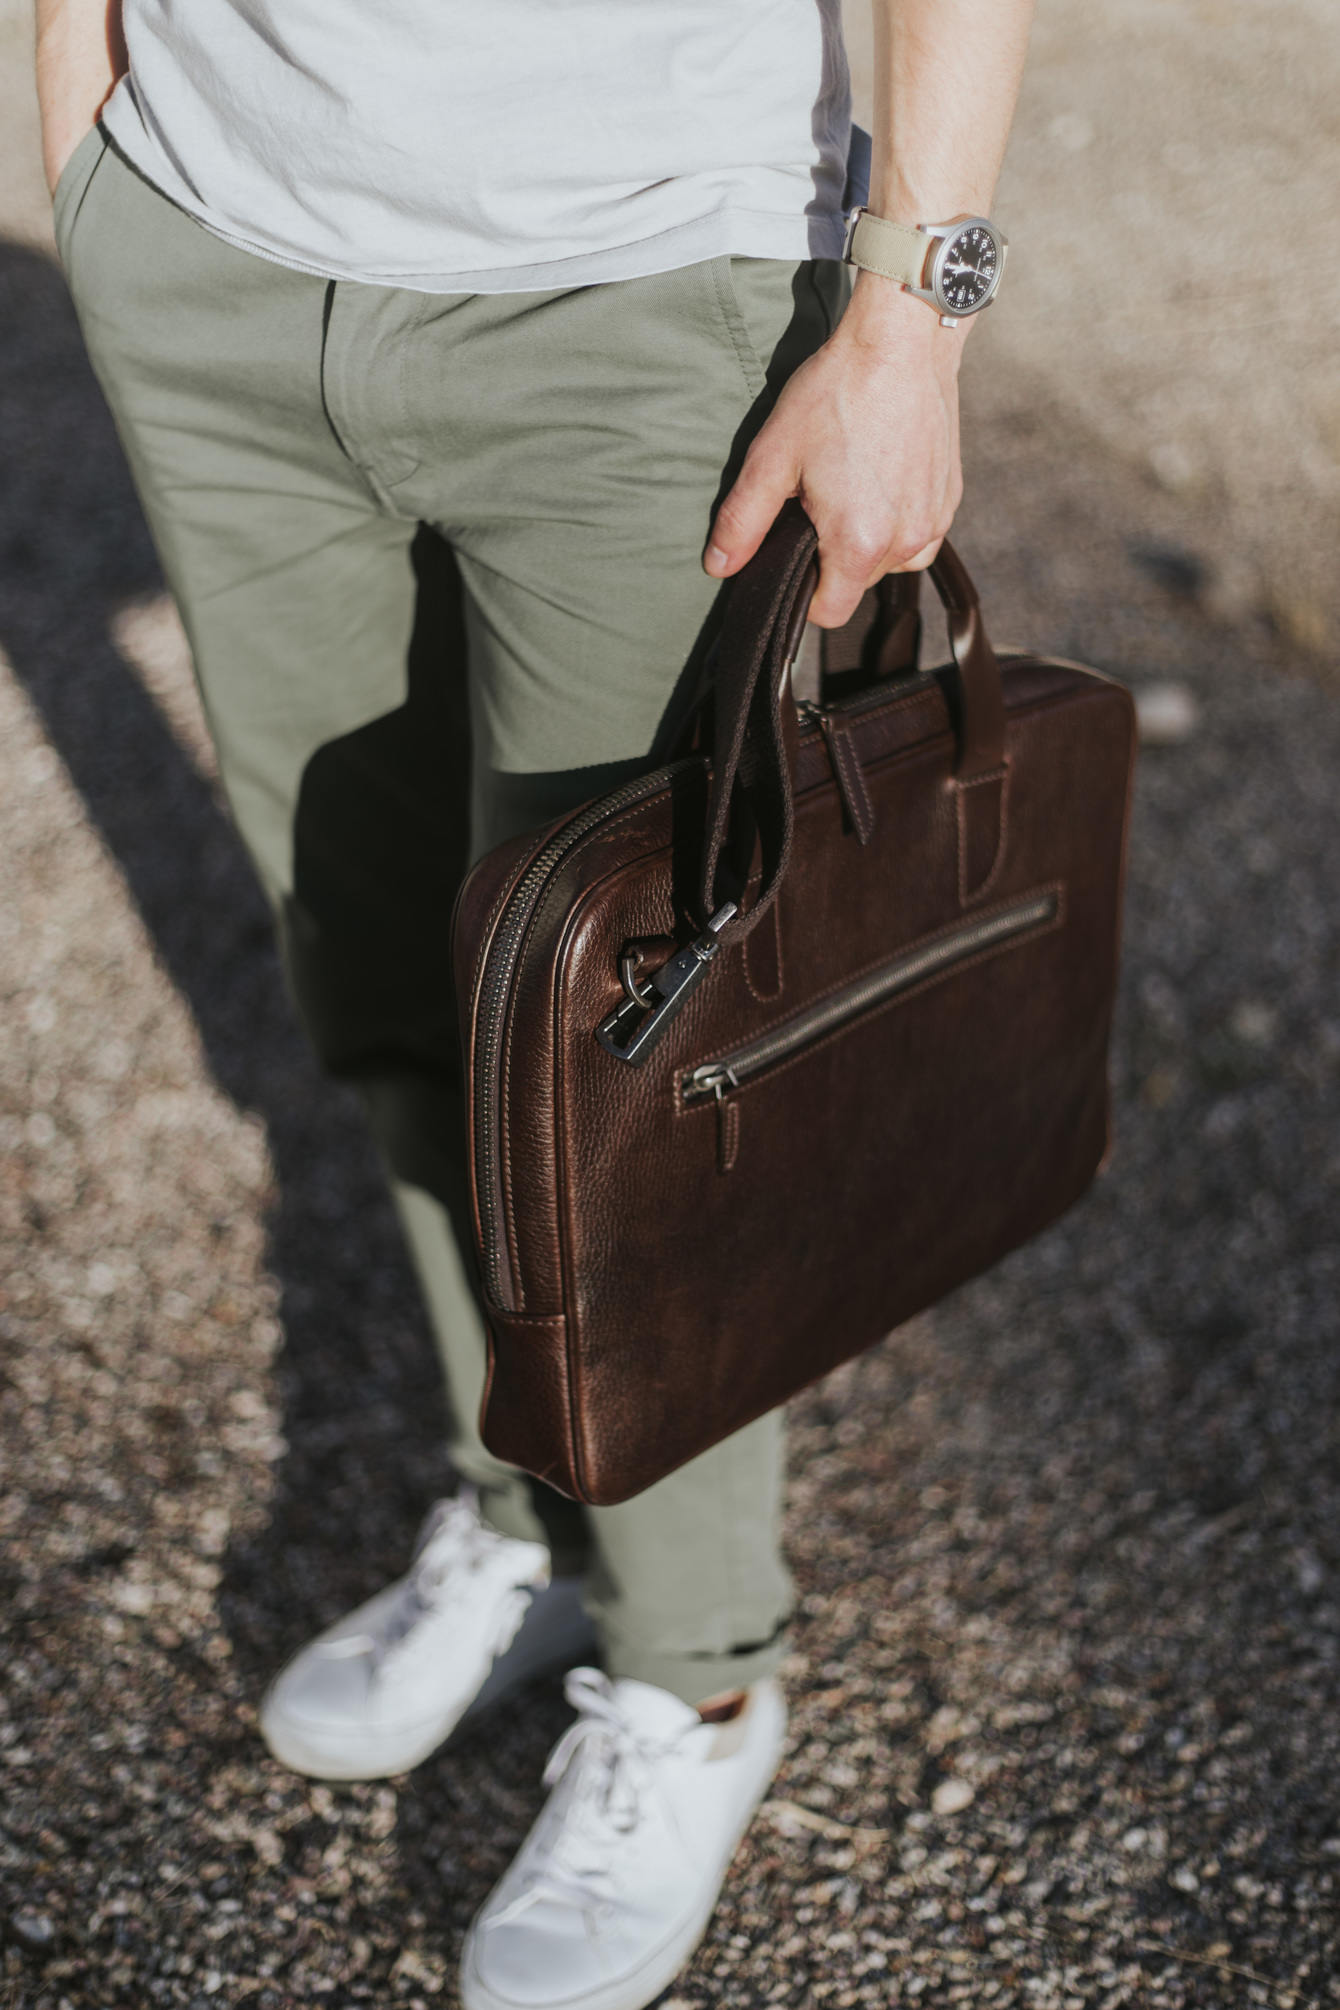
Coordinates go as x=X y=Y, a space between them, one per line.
x=768 y=1050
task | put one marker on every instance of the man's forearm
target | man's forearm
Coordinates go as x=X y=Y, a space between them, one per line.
x=80 y=55
x=946 y=79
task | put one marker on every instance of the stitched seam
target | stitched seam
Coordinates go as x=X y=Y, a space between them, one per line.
x=579 y=1457
x=751 y=369
x=777 y=931
x=935 y=977
x=914 y=991
x=505 y=1169
x=486 y=937
x=764 y=997
x=761 y=996
x=72 y=208
x=730 y=1142
x=557 y=1325
x=1001 y=774
x=426 y=301
x=505 y=1127
x=853 y=778
x=505 y=1085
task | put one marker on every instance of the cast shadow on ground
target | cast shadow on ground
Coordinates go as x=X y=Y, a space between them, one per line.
x=361 y=1391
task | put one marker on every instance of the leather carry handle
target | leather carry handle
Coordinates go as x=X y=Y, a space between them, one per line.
x=755 y=725
x=883 y=637
x=894 y=643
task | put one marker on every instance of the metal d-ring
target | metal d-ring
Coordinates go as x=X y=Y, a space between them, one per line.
x=628 y=963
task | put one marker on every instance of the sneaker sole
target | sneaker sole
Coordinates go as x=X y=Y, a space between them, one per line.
x=662 y=1967
x=354 y=1756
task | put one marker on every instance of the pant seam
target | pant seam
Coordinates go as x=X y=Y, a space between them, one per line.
x=751 y=366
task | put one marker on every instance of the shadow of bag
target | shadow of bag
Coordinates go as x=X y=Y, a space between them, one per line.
x=770 y=1048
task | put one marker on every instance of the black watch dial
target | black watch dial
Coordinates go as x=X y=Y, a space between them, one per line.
x=967 y=269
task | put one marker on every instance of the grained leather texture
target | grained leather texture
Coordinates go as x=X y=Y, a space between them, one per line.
x=669 y=1263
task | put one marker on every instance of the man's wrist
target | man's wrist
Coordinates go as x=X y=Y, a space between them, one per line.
x=882 y=317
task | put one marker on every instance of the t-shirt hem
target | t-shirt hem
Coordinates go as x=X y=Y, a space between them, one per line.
x=731 y=230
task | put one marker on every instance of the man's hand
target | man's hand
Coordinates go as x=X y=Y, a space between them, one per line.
x=865 y=432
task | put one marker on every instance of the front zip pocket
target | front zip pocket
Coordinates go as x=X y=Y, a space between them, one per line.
x=932 y=958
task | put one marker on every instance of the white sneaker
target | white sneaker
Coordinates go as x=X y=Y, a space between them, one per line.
x=474 y=1618
x=613 y=1888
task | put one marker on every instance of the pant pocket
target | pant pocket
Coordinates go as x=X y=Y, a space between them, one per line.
x=755 y=302
x=68 y=197
x=776 y=313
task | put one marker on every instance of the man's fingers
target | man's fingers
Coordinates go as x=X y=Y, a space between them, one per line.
x=850 y=565
x=921 y=559
x=839 y=591
x=747 y=515
x=851 y=558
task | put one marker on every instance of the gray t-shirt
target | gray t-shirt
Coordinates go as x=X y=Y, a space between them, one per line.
x=493 y=146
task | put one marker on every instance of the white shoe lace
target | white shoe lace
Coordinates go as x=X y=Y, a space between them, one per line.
x=614 y=1771
x=452 y=1545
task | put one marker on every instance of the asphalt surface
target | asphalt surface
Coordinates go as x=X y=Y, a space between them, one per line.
x=1064 y=1680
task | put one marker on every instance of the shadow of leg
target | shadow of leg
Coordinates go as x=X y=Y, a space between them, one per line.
x=363 y=1420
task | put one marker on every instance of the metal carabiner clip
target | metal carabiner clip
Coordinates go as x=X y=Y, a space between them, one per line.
x=632 y=1029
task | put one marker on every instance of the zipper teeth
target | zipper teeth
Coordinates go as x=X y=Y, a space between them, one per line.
x=496 y=984
x=899 y=975
x=871 y=696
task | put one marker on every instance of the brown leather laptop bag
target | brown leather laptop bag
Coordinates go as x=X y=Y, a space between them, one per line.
x=767 y=1050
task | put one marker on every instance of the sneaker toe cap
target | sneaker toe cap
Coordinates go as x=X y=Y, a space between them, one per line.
x=326 y=1686
x=552 y=1956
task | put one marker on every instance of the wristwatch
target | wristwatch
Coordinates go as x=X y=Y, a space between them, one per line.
x=954 y=267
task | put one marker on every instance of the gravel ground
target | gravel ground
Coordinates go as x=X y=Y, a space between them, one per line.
x=1064 y=1679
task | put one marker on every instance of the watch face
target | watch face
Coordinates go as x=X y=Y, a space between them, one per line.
x=967 y=269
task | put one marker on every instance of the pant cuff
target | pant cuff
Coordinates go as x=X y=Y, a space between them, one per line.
x=695 y=1677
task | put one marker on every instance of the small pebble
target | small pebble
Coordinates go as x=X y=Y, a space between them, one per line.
x=951 y=1797
x=33 y=1931
x=1309 y=1571
x=1255 y=1022
x=1167 y=714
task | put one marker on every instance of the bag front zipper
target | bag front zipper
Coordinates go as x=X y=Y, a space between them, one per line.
x=500 y=963
x=716 y=1078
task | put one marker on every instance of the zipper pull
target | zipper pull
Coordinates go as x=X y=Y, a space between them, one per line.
x=846 y=765
x=718 y=1076
x=632 y=1029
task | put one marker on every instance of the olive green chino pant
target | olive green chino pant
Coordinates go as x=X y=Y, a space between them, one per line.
x=290 y=438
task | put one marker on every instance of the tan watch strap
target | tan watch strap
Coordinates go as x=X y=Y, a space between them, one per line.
x=897 y=250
